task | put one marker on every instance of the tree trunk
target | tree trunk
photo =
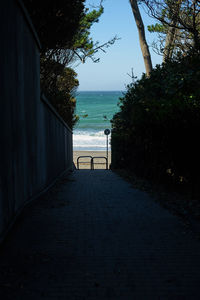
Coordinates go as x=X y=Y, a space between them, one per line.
x=143 y=44
x=169 y=43
x=171 y=34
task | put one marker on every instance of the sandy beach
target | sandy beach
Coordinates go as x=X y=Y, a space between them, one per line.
x=84 y=163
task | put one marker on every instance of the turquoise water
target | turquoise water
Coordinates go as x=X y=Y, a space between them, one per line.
x=95 y=110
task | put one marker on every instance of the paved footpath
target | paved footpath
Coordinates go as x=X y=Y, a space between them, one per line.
x=95 y=237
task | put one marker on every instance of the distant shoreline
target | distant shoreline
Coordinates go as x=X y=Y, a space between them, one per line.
x=96 y=91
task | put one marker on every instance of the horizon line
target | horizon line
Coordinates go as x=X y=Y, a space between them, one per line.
x=101 y=90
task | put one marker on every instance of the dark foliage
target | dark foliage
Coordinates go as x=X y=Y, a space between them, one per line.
x=56 y=22
x=60 y=88
x=157 y=129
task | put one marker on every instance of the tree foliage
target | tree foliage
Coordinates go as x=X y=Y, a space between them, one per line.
x=179 y=25
x=56 y=22
x=156 y=131
x=83 y=46
x=60 y=89
x=64 y=31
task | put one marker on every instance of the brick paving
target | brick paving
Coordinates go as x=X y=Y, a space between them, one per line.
x=95 y=237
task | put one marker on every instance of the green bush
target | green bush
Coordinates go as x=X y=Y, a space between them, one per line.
x=156 y=131
x=60 y=85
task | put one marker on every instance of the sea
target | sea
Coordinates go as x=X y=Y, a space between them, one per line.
x=95 y=110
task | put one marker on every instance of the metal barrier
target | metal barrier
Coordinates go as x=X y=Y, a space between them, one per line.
x=99 y=163
x=84 y=162
x=92 y=163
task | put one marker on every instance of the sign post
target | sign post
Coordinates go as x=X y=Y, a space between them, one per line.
x=107 y=132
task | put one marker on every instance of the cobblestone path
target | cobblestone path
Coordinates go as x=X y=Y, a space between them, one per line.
x=95 y=237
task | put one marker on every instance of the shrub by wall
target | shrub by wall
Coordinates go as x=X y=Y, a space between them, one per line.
x=156 y=132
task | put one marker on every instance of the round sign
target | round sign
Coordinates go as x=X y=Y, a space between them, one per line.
x=107 y=131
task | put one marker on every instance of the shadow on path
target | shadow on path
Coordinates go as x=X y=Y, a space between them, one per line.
x=94 y=237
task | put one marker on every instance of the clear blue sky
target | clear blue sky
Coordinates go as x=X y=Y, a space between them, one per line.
x=111 y=72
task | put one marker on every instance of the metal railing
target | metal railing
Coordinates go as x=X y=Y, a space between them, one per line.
x=84 y=162
x=99 y=163
x=92 y=162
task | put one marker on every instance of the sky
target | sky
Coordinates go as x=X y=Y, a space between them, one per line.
x=111 y=73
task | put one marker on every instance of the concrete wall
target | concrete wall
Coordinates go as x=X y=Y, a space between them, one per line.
x=35 y=143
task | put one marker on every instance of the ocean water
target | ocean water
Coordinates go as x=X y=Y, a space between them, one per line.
x=95 y=110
